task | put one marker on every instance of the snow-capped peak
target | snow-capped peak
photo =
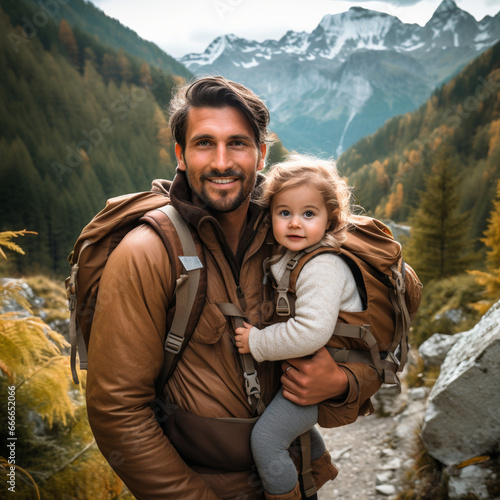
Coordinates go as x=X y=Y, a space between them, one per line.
x=446 y=6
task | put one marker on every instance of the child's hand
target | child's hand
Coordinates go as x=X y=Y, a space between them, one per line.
x=242 y=334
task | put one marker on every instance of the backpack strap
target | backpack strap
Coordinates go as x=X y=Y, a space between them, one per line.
x=75 y=335
x=386 y=368
x=189 y=287
x=252 y=384
x=184 y=254
x=285 y=304
x=306 y=469
x=252 y=387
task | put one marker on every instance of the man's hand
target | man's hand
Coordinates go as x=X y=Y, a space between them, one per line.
x=308 y=381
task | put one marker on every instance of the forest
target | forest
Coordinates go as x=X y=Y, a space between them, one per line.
x=80 y=122
x=83 y=118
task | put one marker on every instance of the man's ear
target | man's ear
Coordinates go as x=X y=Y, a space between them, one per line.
x=262 y=161
x=180 y=157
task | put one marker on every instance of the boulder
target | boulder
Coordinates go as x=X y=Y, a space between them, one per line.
x=461 y=420
x=435 y=349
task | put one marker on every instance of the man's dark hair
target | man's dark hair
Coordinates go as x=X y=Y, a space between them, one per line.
x=217 y=92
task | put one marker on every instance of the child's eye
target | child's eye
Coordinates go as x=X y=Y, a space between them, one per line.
x=284 y=213
x=308 y=214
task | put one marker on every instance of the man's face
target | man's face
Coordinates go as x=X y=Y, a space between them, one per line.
x=221 y=158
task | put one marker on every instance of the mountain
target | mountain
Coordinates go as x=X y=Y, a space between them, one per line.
x=86 y=17
x=328 y=88
x=389 y=168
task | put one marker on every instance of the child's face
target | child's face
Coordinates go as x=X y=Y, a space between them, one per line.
x=299 y=217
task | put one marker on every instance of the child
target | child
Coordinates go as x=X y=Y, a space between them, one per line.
x=308 y=203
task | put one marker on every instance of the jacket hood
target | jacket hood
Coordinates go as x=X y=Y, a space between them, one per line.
x=161 y=186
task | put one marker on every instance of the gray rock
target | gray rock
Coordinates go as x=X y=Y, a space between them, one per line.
x=386 y=489
x=462 y=421
x=435 y=348
x=390 y=464
x=470 y=480
x=453 y=315
x=417 y=394
x=384 y=477
x=388 y=400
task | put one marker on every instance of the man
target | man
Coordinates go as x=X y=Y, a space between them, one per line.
x=220 y=129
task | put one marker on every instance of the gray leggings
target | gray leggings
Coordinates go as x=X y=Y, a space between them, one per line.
x=280 y=424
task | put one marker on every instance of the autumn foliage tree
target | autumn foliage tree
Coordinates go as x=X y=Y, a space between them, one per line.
x=69 y=41
x=490 y=278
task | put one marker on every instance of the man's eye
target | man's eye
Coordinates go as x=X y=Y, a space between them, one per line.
x=203 y=142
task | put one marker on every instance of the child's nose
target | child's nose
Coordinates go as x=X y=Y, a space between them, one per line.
x=295 y=222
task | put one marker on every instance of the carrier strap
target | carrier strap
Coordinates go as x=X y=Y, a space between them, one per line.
x=185 y=292
x=306 y=469
x=252 y=383
x=75 y=336
x=386 y=368
x=403 y=314
x=285 y=307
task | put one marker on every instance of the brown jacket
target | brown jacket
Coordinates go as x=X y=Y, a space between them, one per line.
x=126 y=356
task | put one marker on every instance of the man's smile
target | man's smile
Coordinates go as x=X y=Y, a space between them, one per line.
x=222 y=181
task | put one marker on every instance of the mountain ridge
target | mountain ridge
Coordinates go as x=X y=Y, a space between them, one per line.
x=110 y=31
x=302 y=72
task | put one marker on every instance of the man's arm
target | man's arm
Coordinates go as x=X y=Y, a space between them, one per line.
x=125 y=357
x=346 y=387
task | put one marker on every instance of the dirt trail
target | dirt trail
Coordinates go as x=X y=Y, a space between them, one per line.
x=373 y=454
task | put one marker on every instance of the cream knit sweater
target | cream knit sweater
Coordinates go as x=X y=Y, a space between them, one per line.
x=324 y=286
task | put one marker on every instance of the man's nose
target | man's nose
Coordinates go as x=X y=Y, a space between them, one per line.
x=222 y=159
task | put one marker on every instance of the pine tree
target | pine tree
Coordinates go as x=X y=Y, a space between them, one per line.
x=438 y=246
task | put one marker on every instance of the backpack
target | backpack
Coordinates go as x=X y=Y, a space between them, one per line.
x=92 y=250
x=390 y=291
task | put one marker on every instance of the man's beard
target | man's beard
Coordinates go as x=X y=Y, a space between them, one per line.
x=225 y=202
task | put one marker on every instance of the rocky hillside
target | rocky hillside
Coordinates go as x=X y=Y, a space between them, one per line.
x=380 y=456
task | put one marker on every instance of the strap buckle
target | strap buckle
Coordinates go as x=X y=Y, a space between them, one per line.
x=252 y=385
x=173 y=343
x=394 y=358
x=283 y=303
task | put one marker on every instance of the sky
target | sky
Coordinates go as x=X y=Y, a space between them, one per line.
x=183 y=26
